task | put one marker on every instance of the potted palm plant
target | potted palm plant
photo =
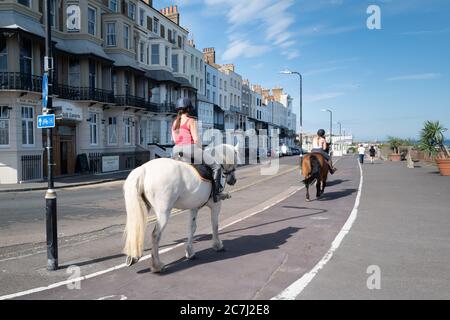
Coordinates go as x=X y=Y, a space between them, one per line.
x=432 y=141
x=395 y=144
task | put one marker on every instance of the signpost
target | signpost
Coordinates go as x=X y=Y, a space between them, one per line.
x=46 y=121
x=44 y=92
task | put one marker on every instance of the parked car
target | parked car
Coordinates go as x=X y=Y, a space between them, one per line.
x=295 y=151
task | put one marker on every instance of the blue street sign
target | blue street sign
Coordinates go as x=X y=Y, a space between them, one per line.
x=44 y=91
x=46 y=121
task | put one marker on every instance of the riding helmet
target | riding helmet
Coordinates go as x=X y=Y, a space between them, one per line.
x=321 y=133
x=184 y=103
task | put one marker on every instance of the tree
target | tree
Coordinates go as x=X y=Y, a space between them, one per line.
x=432 y=139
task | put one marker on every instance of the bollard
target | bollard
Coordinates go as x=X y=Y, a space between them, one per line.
x=410 y=162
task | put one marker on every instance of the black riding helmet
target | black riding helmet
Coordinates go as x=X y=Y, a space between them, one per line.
x=321 y=133
x=184 y=104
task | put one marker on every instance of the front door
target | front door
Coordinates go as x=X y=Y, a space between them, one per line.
x=64 y=150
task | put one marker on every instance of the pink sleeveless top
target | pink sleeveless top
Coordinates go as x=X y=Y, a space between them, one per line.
x=184 y=134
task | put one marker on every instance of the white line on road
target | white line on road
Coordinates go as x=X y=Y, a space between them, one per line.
x=291 y=292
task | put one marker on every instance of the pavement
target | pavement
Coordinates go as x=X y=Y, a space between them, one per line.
x=66 y=182
x=399 y=243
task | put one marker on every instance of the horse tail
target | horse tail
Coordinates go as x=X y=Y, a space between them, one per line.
x=137 y=208
x=314 y=173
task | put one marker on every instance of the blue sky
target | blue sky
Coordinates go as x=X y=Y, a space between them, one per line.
x=377 y=82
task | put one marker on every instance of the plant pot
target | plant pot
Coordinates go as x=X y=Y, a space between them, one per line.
x=444 y=166
x=395 y=157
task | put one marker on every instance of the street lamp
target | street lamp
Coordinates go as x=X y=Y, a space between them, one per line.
x=340 y=136
x=331 y=128
x=301 y=109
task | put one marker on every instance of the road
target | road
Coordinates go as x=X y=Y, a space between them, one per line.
x=270 y=230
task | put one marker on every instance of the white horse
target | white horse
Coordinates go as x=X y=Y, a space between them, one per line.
x=164 y=184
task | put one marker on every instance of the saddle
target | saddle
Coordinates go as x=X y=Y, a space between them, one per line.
x=203 y=170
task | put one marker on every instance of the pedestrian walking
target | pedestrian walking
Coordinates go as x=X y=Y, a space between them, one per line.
x=372 y=153
x=361 y=152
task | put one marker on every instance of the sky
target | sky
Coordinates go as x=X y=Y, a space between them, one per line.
x=378 y=82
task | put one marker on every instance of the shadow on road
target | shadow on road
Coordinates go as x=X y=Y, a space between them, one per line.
x=238 y=247
x=336 y=182
x=327 y=196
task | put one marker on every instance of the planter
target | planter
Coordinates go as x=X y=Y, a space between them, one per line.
x=395 y=157
x=444 y=166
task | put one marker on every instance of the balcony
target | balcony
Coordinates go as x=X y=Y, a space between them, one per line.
x=128 y=100
x=83 y=93
x=235 y=109
x=20 y=81
x=160 y=107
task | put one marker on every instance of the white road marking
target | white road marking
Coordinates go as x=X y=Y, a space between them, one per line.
x=291 y=292
x=122 y=297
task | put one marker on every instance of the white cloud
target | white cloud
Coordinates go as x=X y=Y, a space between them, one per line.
x=323 y=96
x=422 y=76
x=243 y=48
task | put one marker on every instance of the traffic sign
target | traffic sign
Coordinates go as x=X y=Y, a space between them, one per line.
x=44 y=91
x=46 y=121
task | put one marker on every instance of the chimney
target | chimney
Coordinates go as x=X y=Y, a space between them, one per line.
x=266 y=93
x=191 y=43
x=229 y=67
x=149 y=2
x=257 y=88
x=209 y=55
x=277 y=92
x=172 y=14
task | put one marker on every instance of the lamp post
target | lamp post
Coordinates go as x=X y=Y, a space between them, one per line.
x=331 y=129
x=340 y=135
x=50 y=196
x=301 y=109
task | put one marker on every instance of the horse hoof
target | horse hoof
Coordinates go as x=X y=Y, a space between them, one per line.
x=130 y=261
x=157 y=269
x=190 y=256
x=221 y=249
x=308 y=200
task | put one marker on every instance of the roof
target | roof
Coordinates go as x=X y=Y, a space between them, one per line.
x=161 y=75
x=183 y=82
x=81 y=47
x=122 y=60
x=15 y=20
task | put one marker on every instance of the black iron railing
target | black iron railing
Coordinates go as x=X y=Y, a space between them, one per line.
x=31 y=167
x=128 y=100
x=83 y=93
x=127 y=160
x=20 y=81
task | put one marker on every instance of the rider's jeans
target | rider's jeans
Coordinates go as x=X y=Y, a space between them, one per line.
x=194 y=152
x=322 y=152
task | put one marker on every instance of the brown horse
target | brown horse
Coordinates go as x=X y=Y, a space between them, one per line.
x=315 y=168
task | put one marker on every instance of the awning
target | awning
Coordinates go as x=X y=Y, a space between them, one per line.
x=15 y=20
x=184 y=82
x=160 y=75
x=124 y=61
x=81 y=47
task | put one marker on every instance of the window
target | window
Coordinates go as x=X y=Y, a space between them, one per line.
x=155 y=53
x=201 y=65
x=131 y=10
x=93 y=128
x=126 y=36
x=175 y=62
x=127 y=84
x=148 y=54
x=92 y=74
x=201 y=85
x=25 y=2
x=52 y=13
x=91 y=20
x=192 y=81
x=220 y=84
x=25 y=56
x=163 y=32
x=225 y=101
x=3 y=55
x=166 y=57
x=192 y=62
x=112 y=130
x=214 y=81
x=214 y=97
x=196 y=63
x=225 y=85
x=208 y=78
x=141 y=17
x=208 y=95
x=74 y=73
x=4 y=126
x=114 y=82
x=220 y=100
x=156 y=130
x=155 y=25
x=184 y=64
x=141 y=52
x=196 y=84
x=113 y=5
x=111 y=34
x=127 y=127
x=27 y=126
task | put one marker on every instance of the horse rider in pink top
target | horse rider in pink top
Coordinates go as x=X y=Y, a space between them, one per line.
x=188 y=145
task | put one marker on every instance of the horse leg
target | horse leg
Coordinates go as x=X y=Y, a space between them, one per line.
x=190 y=253
x=162 y=218
x=215 y=210
x=318 y=187
x=307 y=192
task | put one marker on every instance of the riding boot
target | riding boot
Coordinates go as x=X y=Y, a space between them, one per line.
x=331 y=168
x=217 y=173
